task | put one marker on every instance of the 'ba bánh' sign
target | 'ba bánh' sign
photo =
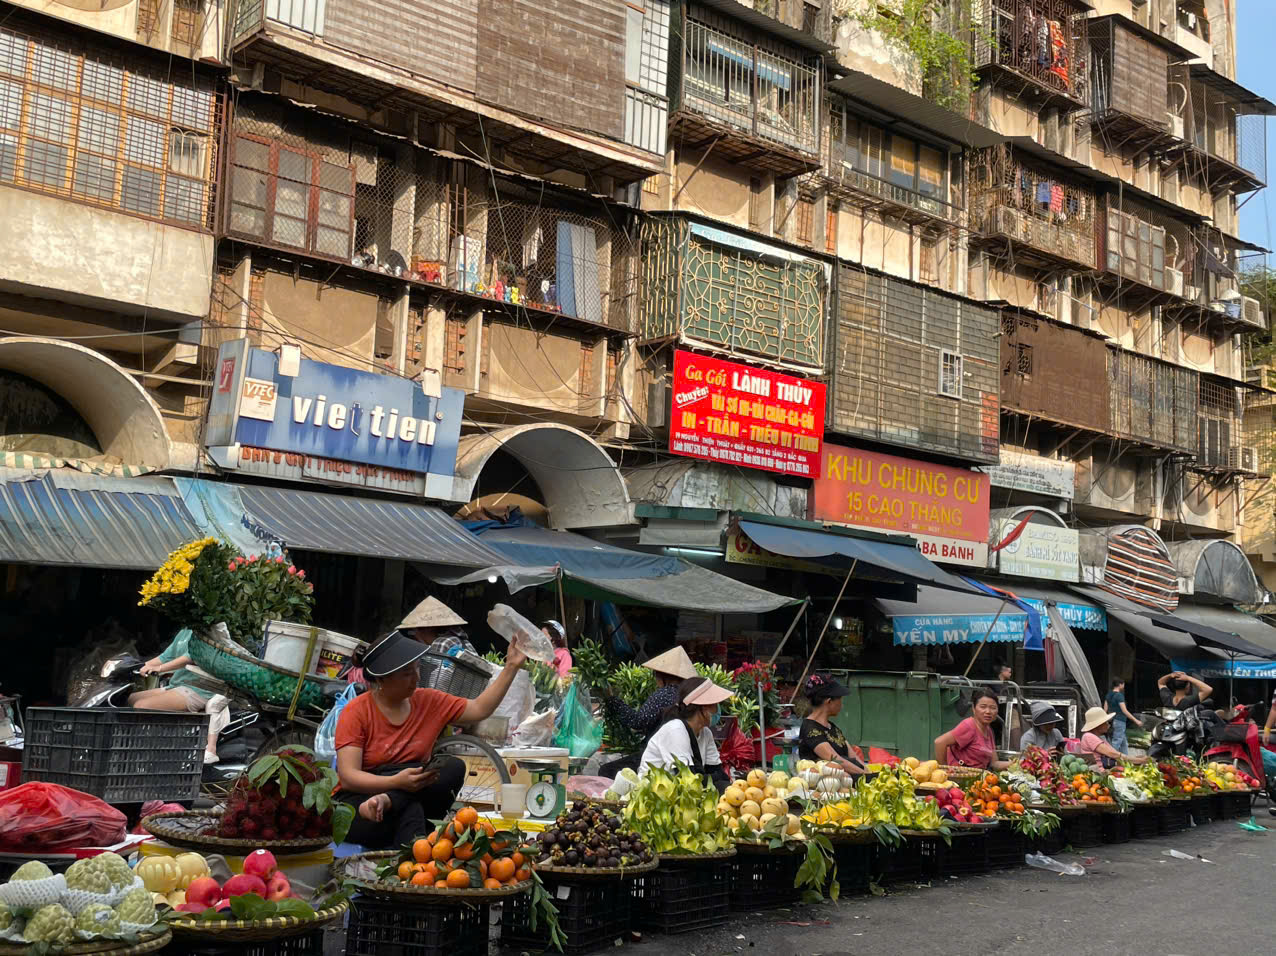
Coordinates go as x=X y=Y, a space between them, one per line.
x=944 y=508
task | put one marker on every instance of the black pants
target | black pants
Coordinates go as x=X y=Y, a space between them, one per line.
x=410 y=812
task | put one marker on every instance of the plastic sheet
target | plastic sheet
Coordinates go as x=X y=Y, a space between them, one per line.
x=41 y=817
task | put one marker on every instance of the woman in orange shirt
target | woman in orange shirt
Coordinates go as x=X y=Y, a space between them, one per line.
x=385 y=738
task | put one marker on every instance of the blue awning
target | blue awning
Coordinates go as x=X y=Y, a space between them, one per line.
x=901 y=561
x=91 y=521
x=940 y=616
x=252 y=516
x=534 y=556
x=1244 y=669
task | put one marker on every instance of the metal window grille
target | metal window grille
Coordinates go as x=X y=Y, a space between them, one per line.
x=805 y=221
x=830 y=229
x=1037 y=39
x=82 y=124
x=1153 y=402
x=188 y=22
x=1216 y=124
x=147 y=18
x=950 y=374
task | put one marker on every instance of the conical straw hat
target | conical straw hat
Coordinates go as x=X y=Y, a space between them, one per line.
x=674 y=662
x=432 y=613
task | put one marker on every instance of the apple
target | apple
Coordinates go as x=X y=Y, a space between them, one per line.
x=203 y=892
x=190 y=907
x=976 y=819
x=239 y=885
x=261 y=864
x=964 y=810
x=278 y=888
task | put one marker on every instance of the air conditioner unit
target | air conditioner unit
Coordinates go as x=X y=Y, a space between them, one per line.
x=1176 y=124
x=1005 y=220
x=1173 y=281
x=1191 y=292
x=1251 y=313
x=1243 y=458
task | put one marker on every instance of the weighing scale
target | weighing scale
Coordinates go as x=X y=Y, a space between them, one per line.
x=547 y=797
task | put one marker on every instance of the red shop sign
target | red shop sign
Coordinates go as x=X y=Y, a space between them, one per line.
x=739 y=415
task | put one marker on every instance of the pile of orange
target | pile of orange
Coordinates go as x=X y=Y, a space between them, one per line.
x=988 y=799
x=1091 y=792
x=1192 y=784
x=442 y=861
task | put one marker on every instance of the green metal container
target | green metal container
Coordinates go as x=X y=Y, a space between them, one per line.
x=899 y=712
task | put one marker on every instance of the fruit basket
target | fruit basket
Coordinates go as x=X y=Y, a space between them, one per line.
x=249 y=674
x=846 y=835
x=348 y=869
x=196 y=830
x=150 y=942
x=251 y=931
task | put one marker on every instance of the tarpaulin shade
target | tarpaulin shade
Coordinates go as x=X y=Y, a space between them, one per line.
x=1206 y=636
x=896 y=560
x=532 y=556
x=1251 y=628
x=91 y=521
x=939 y=616
x=251 y=517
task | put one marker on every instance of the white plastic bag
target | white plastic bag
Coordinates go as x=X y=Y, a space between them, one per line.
x=537 y=730
x=519 y=700
x=326 y=735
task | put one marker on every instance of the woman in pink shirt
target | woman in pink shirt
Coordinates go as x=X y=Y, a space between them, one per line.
x=1092 y=745
x=557 y=635
x=971 y=743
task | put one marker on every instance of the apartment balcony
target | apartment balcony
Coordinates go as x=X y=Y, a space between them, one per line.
x=1222 y=127
x=549 y=94
x=912 y=197
x=1153 y=402
x=755 y=102
x=1041 y=46
x=1048 y=217
x=1130 y=81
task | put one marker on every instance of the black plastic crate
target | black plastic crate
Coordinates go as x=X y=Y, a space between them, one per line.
x=1005 y=848
x=592 y=914
x=1221 y=804
x=1082 y=830
x=1049 y=843
x=967 y=856
x=764 y=881
x=121 y=756
x=1241 y=804
x=307 y=944
x=683 y=897
x=854 y=863
x=912 y=861
x=1116 y=828
x=1202 y=809
x=377 y=928
x=1144 y=822
x=1172 y=818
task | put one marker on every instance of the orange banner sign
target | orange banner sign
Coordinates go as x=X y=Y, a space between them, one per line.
x=945 y=509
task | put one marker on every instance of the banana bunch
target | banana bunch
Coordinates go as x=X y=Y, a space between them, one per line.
x=889 y=798
x=1148 y=778
x=677 y=812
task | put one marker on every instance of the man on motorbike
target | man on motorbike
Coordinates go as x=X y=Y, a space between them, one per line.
x=1179 y=691
x=183 y=694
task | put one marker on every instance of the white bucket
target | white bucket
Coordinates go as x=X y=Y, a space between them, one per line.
x=286 y=645
x=334 y=653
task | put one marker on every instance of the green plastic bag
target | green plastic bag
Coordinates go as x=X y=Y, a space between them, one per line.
x=578 y=731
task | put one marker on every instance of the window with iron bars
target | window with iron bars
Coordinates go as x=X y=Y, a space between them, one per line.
x=805 y=221
x=81 y=124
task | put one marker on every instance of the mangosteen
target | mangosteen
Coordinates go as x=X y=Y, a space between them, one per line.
x=550 y=838
x=572 y=857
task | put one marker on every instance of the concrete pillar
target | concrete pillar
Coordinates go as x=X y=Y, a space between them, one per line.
x=403 y=210
x=432 y=351
x=400 y=319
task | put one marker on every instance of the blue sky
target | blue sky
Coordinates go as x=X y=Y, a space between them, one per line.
x=1256 y=70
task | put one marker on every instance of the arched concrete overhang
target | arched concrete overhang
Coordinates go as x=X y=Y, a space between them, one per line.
x=1216 y=569
x=126 y=421
x=582 y=486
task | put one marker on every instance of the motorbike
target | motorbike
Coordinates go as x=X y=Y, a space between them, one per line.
x=1238 y=742
x=1187 y=732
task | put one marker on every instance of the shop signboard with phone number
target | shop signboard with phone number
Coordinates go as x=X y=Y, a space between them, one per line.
x=736 y=414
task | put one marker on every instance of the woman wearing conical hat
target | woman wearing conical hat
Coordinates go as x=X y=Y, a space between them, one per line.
x=671 y=669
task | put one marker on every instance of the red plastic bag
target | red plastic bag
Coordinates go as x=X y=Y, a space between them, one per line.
x=737 y=752
x=42 y=817
x=151 y=807
x=884 y=757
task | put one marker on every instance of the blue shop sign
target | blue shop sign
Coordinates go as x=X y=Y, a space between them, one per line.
x=1085 y=616
x=1248 y=668
x=929 y=629
x=331 y=423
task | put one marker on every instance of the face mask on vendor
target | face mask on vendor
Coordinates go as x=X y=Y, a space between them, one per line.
x=715 y=716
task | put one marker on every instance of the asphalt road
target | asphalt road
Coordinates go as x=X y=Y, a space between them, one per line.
x=1134 y=900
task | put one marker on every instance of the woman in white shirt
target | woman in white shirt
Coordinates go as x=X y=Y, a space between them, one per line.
x=685 y=735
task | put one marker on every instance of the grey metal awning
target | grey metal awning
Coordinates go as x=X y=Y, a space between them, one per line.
x=1170 y=642
x=1232 y=621
x=1247 y=101
x=904 y=108
x=90 y=521
x=768 y=24
x=251 y=516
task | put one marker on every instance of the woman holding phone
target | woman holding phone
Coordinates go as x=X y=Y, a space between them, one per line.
x=385 y=738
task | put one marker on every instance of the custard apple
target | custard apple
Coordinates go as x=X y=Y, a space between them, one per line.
x=137 y=907
x=50 y=924
x=98 y=919
x=32 y=870
x=115 y=867
x=6 y=917
x=88 y=876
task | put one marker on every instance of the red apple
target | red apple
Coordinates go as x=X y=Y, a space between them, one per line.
x=203 y=892
x=190 y=907
x=278 y=888
x=239 y=885
x=261 y=864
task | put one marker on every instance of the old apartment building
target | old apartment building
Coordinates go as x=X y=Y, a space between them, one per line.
x=1022 y=261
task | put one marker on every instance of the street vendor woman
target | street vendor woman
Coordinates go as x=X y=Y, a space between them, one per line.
x=819 y=738
x=385 y=738
x=685 y=735
x=1092 y=745
x=671 y=668
x=971 y=743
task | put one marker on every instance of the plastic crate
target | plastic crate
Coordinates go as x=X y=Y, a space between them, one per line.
x=1221 y=805
x=912 y=861
x=1005 y=848
x=377 y=928
x=1049 y=844
x=592 y=914
x=1172 y=818
x=307 y=944
x=765 y=881
x=121 y=756
x=967 y=856
x=1144 y=823
x=854 y=867
x=1202 y=809
x=1082 y=830
x=1241 y=804
x=683 y=897
x=1116 y=828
